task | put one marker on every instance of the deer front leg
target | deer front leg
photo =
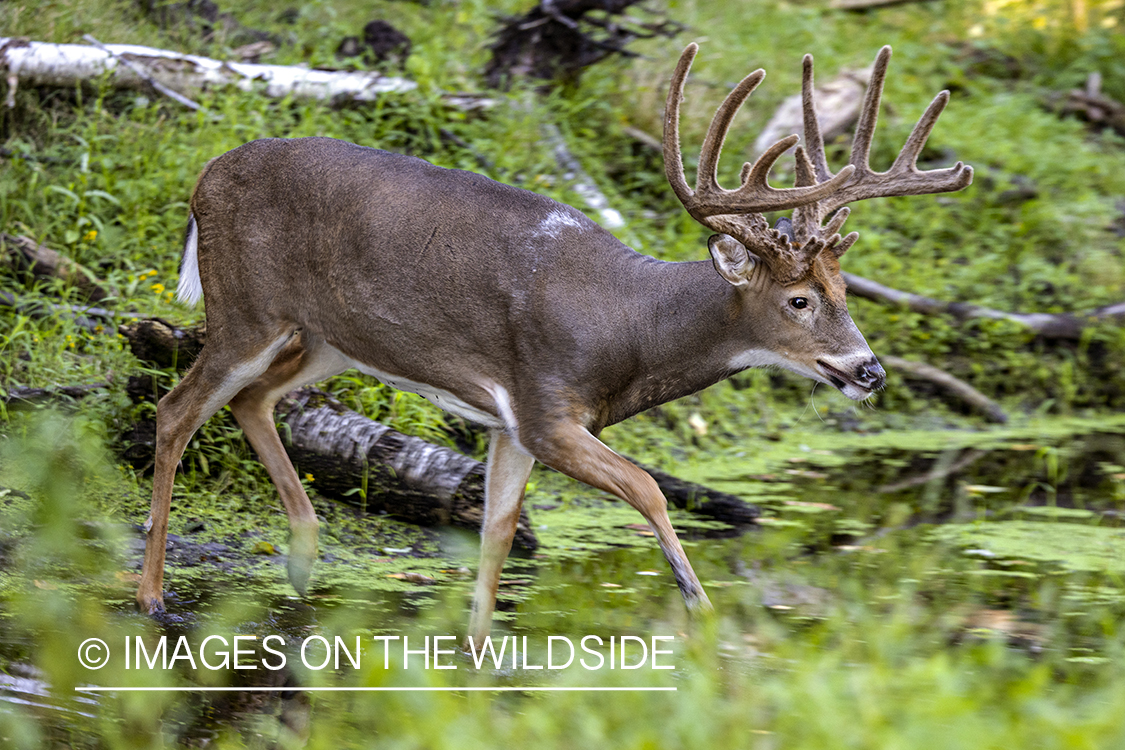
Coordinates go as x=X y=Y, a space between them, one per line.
x=505 y=481
x=571 y=449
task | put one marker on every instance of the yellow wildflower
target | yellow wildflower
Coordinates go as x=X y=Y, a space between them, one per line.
x=90 y=236
x=308 y=477
x=158 y=288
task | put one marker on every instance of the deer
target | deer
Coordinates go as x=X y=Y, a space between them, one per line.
x=511 y=310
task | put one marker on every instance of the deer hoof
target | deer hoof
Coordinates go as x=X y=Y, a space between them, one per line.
x=150 y=604
x=302 y=554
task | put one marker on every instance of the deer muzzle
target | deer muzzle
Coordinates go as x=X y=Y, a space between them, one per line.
x=855 y=380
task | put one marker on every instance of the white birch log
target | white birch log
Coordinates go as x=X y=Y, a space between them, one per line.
x=47 y=64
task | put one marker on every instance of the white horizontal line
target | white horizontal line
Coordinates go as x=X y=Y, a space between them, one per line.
x=109 y=689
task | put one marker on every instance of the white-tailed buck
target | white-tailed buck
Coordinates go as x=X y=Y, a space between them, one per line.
x=511 y=310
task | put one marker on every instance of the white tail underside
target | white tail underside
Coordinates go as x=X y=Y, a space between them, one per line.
x=190 y=290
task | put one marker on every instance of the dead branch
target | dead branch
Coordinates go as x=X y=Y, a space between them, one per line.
x=1095 y=107
x=951 y=385
x=28 y=396
x=1047 y=325
x=940 y=470
x=858 y=5
x=93 y=319
x=557 y=39
x=23 y=254
x=143 y=73
x=647 y=140
x=581 y=182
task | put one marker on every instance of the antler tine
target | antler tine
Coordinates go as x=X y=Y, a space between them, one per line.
x=814 y=143
x=869 y=114
x=707 y=177
x=806 y=174
x=903 y=178
x=760 y=172
x=921 y=132
x=755 y=194
x=673 y=158
x=837 y=222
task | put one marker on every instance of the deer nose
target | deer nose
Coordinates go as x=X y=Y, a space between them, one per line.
x=871 y=375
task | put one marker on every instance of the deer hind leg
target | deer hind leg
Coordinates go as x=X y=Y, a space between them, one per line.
x=571 y=449
x=221 y=371
x=304 y=360
x=505 y=481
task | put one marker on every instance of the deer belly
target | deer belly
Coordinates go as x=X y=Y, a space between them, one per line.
x=436 y=396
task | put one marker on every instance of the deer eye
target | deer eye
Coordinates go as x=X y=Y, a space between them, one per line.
x=799 y=303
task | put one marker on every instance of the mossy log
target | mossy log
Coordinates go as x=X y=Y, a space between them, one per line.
x=703 y=500
x=162 y=343
x=401 y=475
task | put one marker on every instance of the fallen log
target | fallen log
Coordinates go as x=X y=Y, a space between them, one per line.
x=163 y=343
x=401 y=475
x=47 y=64
x=23 y=254
x=703 y=500
x=1047 y=325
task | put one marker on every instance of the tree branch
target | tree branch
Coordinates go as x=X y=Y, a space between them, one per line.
x=951 y=385
x=1047 y=325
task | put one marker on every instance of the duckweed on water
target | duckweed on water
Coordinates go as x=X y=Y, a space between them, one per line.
x=1089 y=549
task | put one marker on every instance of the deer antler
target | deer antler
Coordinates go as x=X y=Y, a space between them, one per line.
x=709 y=198
x=903 y=178
x=817 y=193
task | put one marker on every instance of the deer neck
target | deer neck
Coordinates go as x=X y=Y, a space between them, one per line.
x=692 y=325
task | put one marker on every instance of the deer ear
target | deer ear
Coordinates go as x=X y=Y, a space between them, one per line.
x=732 y=260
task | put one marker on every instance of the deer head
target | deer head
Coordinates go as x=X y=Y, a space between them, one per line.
x=789 y=275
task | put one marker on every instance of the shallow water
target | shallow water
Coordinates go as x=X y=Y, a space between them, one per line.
x=1012 y=534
